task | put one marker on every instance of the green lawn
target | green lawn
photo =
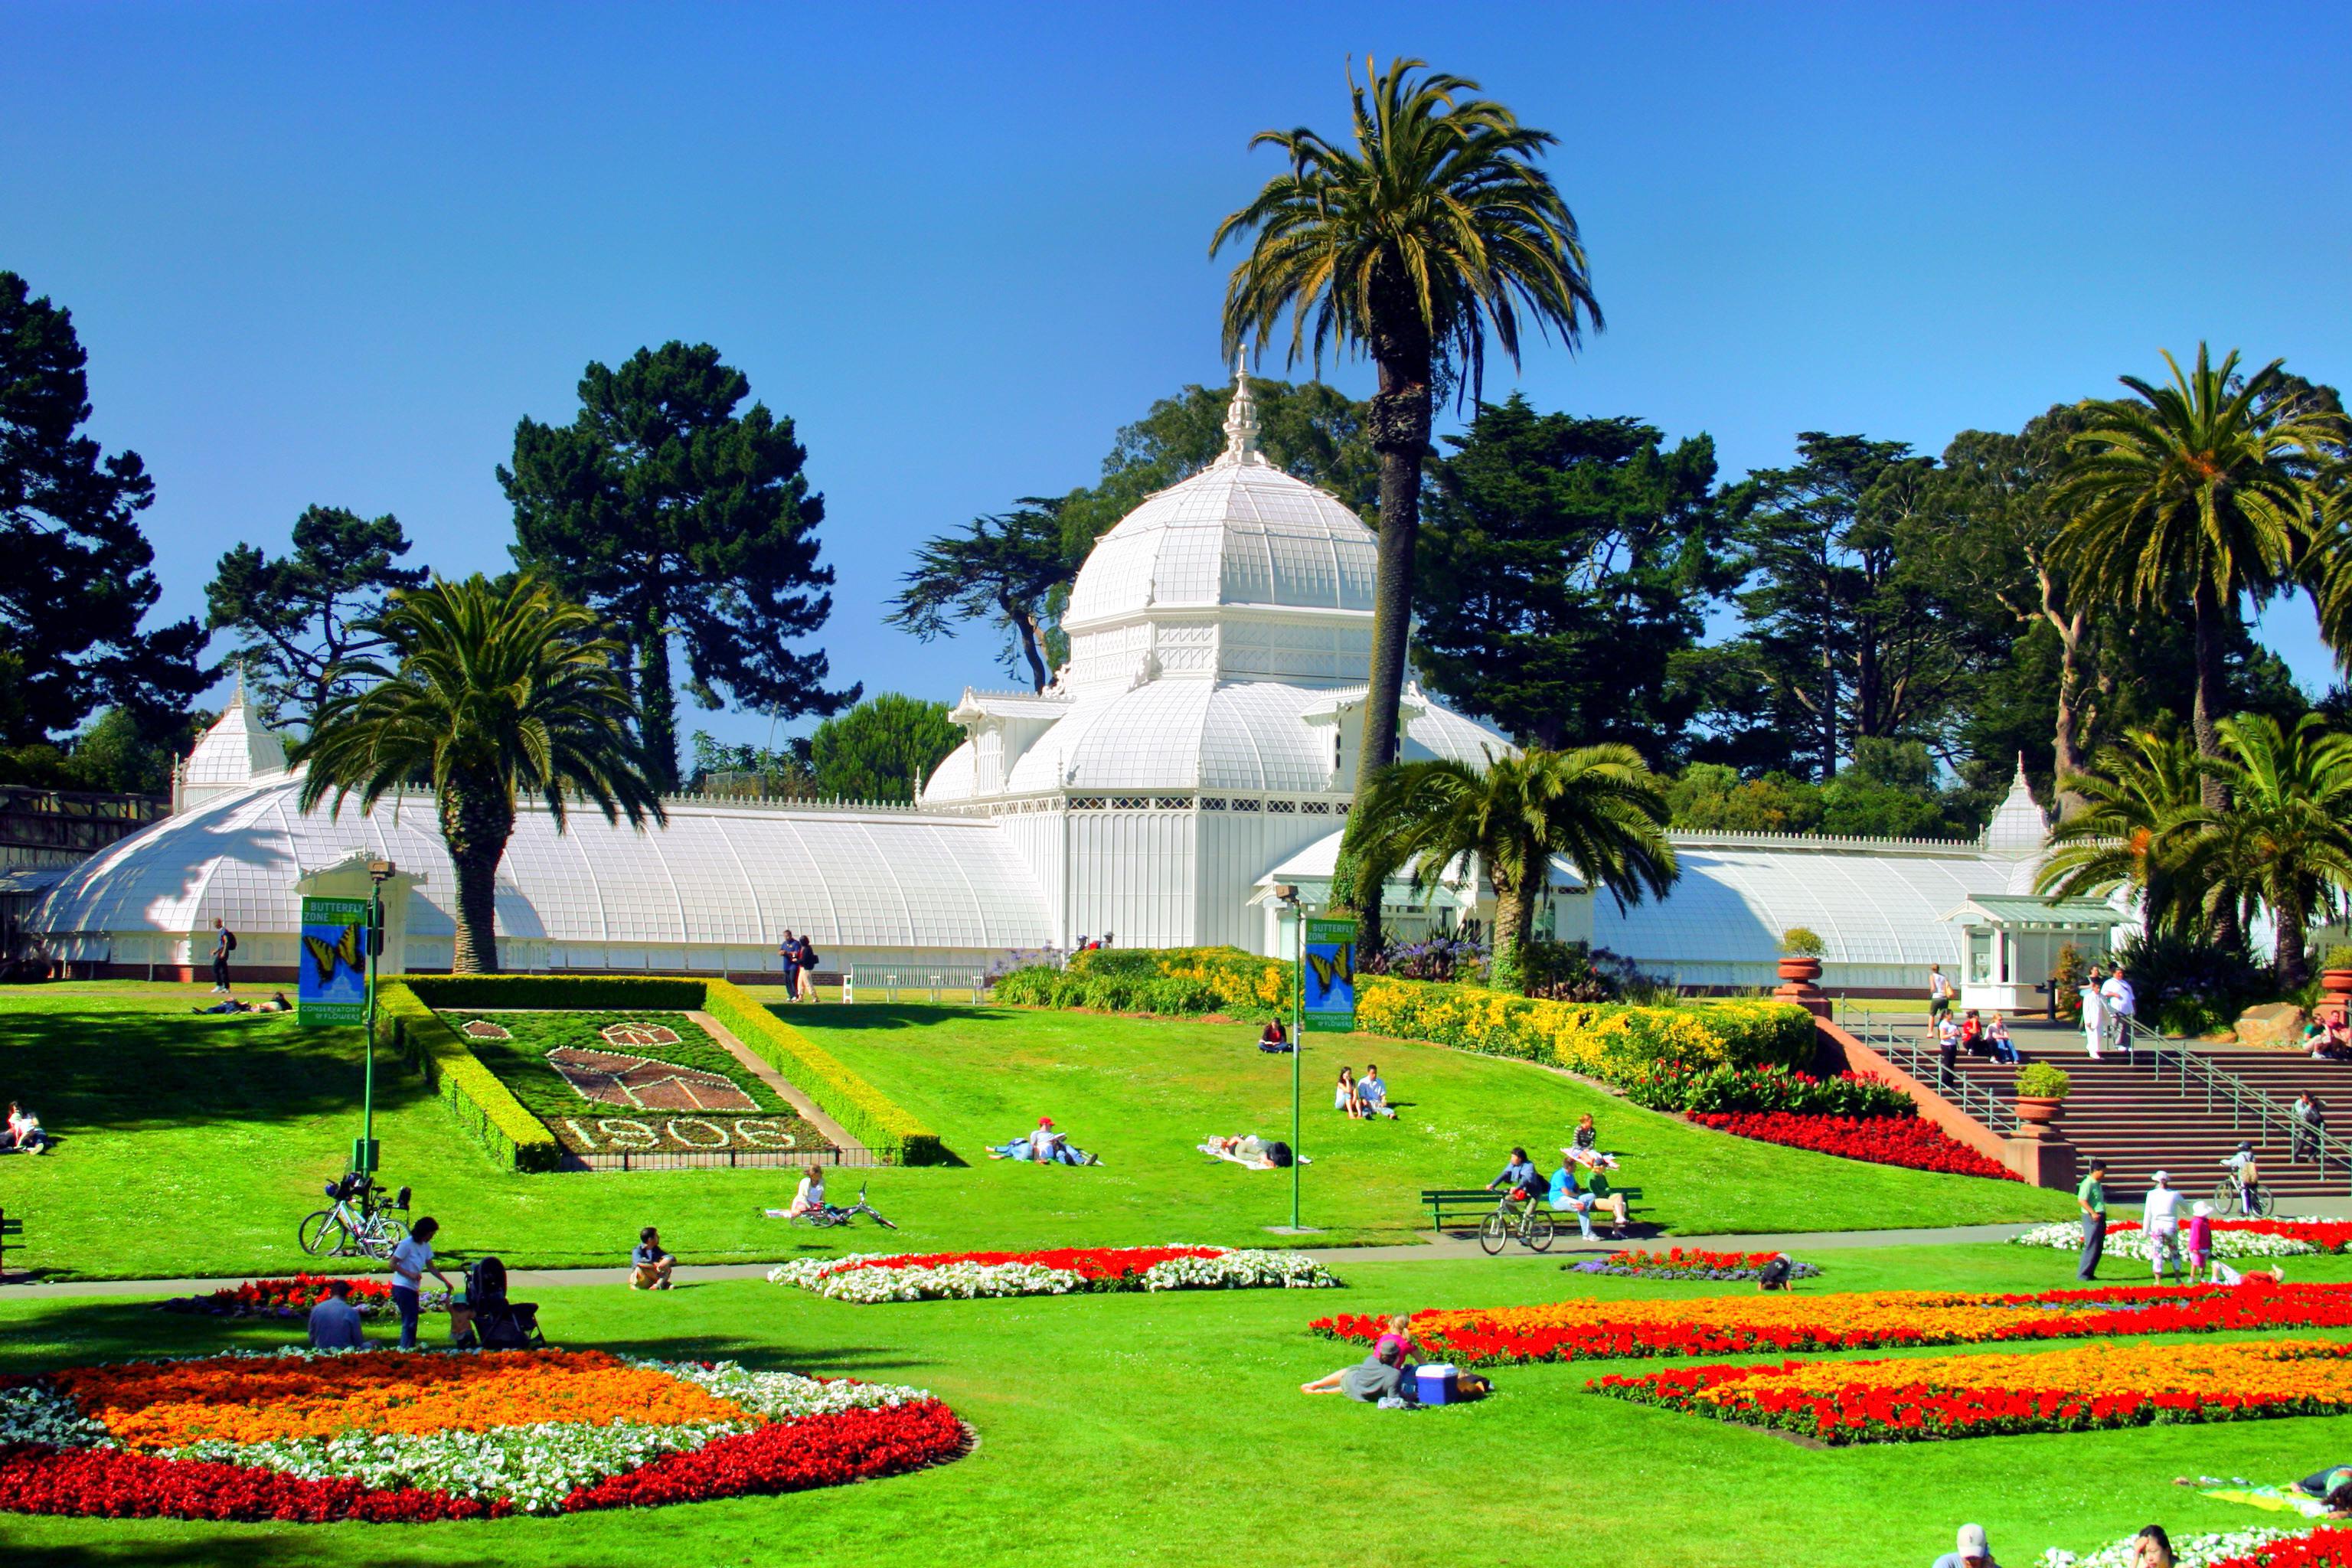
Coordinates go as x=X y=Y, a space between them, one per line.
x=195 y=1145
x=1166 y=1429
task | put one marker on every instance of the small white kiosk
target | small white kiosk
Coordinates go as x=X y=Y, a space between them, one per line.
x=2010 y=943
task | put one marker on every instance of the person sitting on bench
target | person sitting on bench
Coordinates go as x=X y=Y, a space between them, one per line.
x=1566 y=1195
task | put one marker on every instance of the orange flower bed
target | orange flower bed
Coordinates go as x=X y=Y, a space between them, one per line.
x=2086 y=1388
x=166 y=1404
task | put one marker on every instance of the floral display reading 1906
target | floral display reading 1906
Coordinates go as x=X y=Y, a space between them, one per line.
x=2082 y=1389
x=1715 y=1325
x=308 y=1436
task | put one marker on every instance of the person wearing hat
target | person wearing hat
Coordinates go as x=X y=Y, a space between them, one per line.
x=2160 y=1215
x=1971 y=1550
x=2091 y=1197
x=2200 y=1239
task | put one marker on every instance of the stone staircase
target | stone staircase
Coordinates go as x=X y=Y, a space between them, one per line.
x=2144 y=1115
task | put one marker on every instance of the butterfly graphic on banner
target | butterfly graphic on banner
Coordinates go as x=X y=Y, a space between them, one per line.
x=332 y=957
x=1329 y=970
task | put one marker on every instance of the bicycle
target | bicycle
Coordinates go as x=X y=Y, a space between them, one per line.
x=355 y=1224
x=1529 y=1226
x=2253 y=1199
x=833 y=1215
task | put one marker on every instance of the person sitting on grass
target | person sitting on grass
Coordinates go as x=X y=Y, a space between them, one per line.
x=1343 y=1097
x=809 y=1195
x=1586 y=1136
x=24 y=1134
x=1971 y=1550
x=649 y=1266
x=1372 y=1092
x=1273 y=1038
x=334 y=1321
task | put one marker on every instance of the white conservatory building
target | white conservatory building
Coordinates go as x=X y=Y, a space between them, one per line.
x=1198 y=748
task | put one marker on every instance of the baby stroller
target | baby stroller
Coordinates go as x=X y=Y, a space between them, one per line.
x=495 y=1323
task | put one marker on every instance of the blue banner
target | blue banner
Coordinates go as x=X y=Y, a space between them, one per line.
x=333 y=960
x=1328 y=976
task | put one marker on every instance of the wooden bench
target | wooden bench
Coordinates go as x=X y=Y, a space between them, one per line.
x=1464 y=1208
x=8 y=1227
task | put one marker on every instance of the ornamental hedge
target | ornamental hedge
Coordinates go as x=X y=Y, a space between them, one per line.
x=493 y=1113
x=1179 y=981
x=486 y=1106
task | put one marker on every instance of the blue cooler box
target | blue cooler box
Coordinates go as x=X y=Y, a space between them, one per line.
x=1439 y=1385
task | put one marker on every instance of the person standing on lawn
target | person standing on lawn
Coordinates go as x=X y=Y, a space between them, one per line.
x=412 y=1260
x=2091 y=1197
x=788 y=958
x=223 y=943
x=2161 y=1216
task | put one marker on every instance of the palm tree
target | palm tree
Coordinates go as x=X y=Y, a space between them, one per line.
x=2208 y=483
x=2283 y=841
x=500 y=691
x=2140 y=828
x=1431 y=228
x=1598 y=808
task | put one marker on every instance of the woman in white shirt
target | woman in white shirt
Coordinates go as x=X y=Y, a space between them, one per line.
x=412 y=1260
x=2161 y=1214
x=809 y=1196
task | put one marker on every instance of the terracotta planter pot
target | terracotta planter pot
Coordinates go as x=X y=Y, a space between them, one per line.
x=1806 y=971
x=2038 y=1110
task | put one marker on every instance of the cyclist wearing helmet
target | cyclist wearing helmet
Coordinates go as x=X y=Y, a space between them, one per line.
x=2242 y=1165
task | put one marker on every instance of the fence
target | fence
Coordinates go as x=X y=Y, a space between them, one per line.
x=719 y=1158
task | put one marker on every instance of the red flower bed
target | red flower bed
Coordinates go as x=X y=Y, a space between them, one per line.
x=2330 y=1546
x=815 y=1451
x=1907 y=1140
x=1718 y=1325
x=289 y=1296
x=111 y=1483
x=1086 y=1262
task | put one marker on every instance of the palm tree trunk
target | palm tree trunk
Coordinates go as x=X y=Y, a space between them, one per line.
x=2205 y=719
x=657 y=702
x=476 y=823
x=1515 y=915
x=1400 y=427
x=2288 y=965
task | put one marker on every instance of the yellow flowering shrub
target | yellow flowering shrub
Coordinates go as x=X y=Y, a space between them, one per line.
x=1609 y=1041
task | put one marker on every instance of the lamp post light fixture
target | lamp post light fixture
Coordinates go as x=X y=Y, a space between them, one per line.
x=363 y=1155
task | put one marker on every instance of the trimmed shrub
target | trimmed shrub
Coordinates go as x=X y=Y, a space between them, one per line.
x=1182 y=982
x=863 y=1111
x=1670 y=1087
x=1613 y=1043
x=483 y=1105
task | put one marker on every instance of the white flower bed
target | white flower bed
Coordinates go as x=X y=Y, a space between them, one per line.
x=783 y=1395
x=2066 y=1235
x=40 y=1414
x=2189 y=1551
x=1241 y=1269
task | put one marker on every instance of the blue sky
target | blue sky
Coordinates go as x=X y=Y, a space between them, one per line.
x=331 y=253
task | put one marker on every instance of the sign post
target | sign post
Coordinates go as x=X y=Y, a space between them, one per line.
x=336 y=985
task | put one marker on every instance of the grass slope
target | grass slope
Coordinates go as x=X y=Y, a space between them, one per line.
x=195 y=1145
x=1129 y=1428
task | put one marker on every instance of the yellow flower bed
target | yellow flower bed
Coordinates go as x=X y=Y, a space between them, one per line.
x=1604 y=1040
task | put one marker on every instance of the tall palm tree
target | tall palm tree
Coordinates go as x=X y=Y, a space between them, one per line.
x=2140 y=826
x=498 y=693
x=2284 y=841
x=1598 y=808
x=2205 y=483
x=1430 y=227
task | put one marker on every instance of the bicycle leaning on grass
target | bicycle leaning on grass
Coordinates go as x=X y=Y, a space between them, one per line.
x=358 y=1222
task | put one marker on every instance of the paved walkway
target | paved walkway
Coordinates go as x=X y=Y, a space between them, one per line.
x=1423 y=1251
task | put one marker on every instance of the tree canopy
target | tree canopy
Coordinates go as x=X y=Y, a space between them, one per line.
x=673 y=515
x=882 y=749
x=1003 y=569
x=301 y=615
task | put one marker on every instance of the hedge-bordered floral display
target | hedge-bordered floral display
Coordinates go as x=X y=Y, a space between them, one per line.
x=2087 y=1388
x=1907 y=1140
x=2232 y=1237
x=867 y=1277
x=304 y=1435
x=285 y=1296
x=2328 y=1547
x=2236 y=1548
x=1690 y=1263
x=1715 y=1325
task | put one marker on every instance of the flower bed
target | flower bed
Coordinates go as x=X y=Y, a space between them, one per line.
x=1715 y=1325
x=1691 y=1263
x=1879 y=1139
x=285 y=1296
x=305 y=1436
x=2328 y=1547
x=1673 y=1086
x=2087 y=1388
x=2231 y=1549
x=2232 y=1237
x=869 y=1278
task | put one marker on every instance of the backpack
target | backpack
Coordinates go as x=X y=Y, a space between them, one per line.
x=809 y=960
x=1278 y=1153
x=228 y=941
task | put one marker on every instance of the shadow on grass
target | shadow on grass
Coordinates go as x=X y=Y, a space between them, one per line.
x=887 y=1015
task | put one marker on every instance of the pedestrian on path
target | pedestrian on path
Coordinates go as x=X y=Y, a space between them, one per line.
x=2160 y=1214
x=2119 y=1002
x=223 y=943
x=2091 y=1197
x=2310 y=1121
x=1939 y=993
x=2095 y=1016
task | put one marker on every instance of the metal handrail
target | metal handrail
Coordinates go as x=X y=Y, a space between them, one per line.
x=1925 y=1062
x=2193 y=1072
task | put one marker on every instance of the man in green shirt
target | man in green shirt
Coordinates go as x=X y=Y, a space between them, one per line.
x=2092 y=1198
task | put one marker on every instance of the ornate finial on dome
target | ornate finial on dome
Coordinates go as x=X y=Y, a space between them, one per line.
x=1241 y=419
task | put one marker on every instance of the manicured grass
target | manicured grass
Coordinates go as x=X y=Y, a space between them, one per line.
x=1124 y=1428
x=195 y=1145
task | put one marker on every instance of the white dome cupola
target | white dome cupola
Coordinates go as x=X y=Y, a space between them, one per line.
x=1240 y=572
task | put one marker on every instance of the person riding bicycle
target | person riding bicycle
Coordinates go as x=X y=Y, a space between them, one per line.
x=2242 y=1165
x=1518 y=1180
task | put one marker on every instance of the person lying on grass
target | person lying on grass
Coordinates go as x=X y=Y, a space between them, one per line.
x=1248 y=1149
x=1388 y=1375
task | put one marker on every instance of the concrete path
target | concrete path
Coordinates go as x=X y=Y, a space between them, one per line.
x=1424 y=1250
